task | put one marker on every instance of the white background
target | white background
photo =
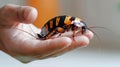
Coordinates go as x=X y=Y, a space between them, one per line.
x=100 y=53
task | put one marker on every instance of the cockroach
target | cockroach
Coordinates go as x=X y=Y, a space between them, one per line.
x=61 y=24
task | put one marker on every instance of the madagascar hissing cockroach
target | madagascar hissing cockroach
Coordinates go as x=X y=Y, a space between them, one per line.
x=61 y=24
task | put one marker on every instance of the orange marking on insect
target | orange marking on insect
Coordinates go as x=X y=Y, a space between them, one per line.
x=57 y=21
x=51 y=24
x=50 y=34
x=67 y=20
x=46 y=26
x=60 y=30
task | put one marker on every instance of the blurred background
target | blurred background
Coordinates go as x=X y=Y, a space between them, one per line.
x=100 y=53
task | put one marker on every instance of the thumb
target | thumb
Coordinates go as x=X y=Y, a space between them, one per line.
x=27 y=13
x=10 y=14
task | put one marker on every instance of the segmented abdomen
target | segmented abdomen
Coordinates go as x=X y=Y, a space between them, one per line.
x=52 y=25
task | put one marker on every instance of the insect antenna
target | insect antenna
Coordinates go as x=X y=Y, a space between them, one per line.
x=101 y=28
x=32 y=29
x=94 y=33
x=98 y=27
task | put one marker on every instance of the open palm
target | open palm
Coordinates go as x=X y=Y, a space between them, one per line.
x=14 y=20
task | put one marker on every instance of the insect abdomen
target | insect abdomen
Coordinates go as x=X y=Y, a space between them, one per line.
x=56 y=25
x=53 y=24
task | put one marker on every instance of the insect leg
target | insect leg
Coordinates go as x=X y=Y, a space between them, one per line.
x=26 y=32
x=74 y=32
x=57 y=30
x=50 y=34
x=60 y=30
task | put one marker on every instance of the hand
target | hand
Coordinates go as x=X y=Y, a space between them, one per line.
x=26 y=48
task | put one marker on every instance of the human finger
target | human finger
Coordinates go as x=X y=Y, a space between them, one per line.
x=40 y=49
x=79 y=41
x=12 y=14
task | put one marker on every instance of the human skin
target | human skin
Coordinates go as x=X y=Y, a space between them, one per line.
x=26 y=48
